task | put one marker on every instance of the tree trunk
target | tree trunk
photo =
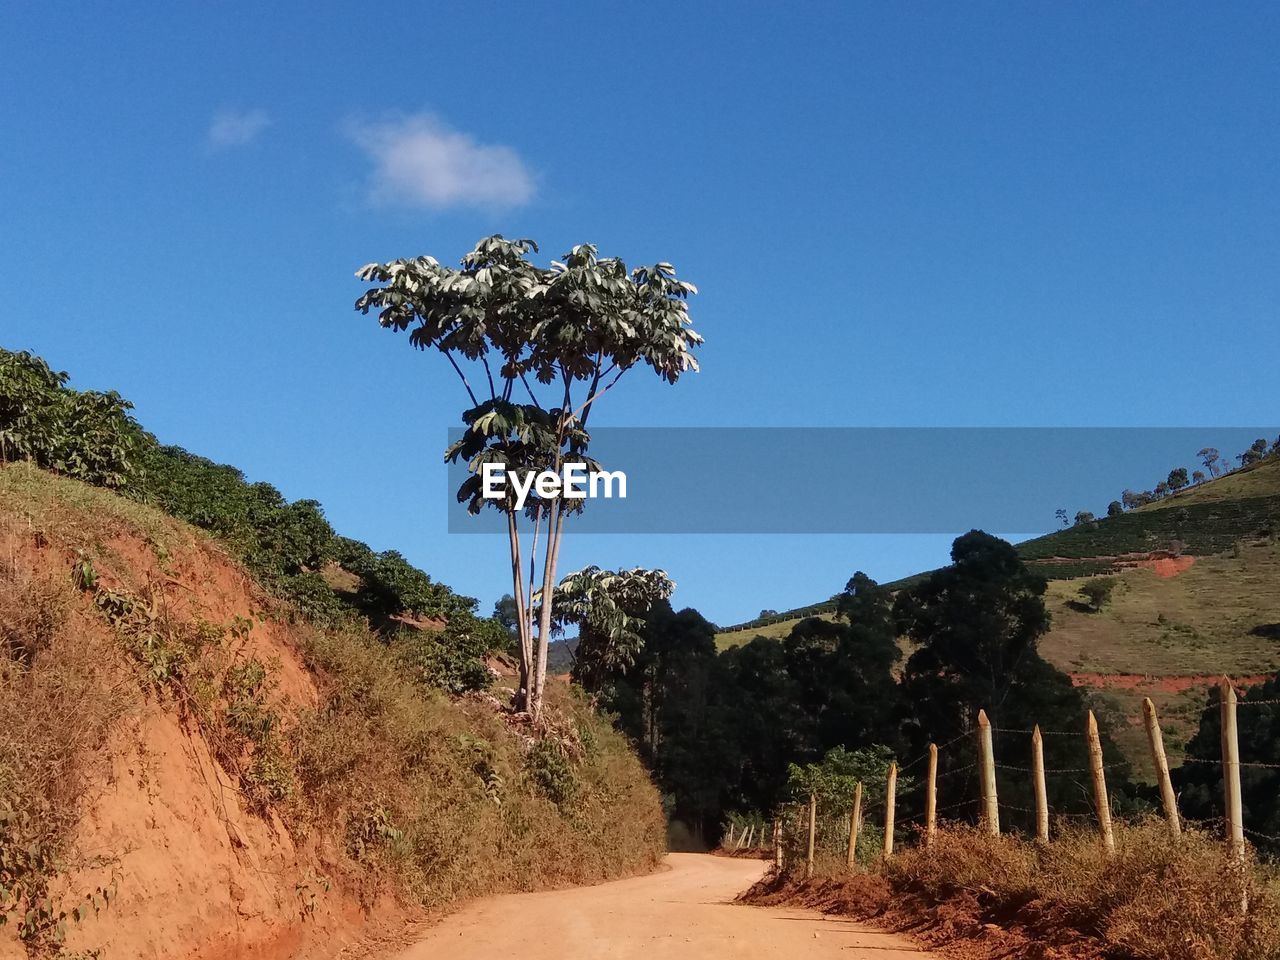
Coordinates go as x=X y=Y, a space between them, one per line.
x=555 y=528
x=524 y=626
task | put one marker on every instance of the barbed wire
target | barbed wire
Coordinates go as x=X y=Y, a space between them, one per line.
x=1043 y=732
x=1048 y=770
x=1257 y=703
x=957 y=770
x=1257 y=764
x=1260 y=835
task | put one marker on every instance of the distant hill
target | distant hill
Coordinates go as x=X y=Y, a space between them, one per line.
x=1198 y=596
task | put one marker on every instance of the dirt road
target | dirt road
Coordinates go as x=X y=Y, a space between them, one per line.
x=682 y=913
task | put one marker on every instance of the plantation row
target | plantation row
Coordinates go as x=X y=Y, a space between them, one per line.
x=288 y=546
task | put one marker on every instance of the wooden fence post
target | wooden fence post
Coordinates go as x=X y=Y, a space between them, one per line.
x=751 y=837
x=1168 y=799
x=855 y=824
x=890 y=799
x=729 y=844
x=1231 y=769
x=1101 y=804
x=931 y=798
x=777 y=842
x=1037 y=782
x=987 y=776
x=813 y=827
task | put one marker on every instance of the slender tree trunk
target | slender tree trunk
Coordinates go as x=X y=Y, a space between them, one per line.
x=555 y=527
x=522 y=614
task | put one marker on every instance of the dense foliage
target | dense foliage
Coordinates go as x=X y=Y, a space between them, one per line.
x=83 y=434
x=288 y=545
x=1199 y=780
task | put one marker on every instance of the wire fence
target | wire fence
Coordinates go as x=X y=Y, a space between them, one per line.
x=868 y=829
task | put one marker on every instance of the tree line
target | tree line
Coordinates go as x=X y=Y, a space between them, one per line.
x=1215 y=465
x=289 y=546
x=725 y=732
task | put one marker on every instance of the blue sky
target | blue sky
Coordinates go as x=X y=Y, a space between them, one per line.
x=898 y=214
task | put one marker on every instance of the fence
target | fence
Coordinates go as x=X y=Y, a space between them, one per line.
x=850 y=831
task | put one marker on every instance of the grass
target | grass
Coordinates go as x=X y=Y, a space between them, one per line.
x=426 y=796
x=1155 y=898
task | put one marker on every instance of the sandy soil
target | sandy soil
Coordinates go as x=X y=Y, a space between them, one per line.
x=684 y=912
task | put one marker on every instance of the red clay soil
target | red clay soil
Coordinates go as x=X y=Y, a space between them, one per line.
x=962 y=928
x=1146 y=683
x=1166 y=566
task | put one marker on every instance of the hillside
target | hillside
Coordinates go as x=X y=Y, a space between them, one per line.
x=189 y=767
x=1198 y=596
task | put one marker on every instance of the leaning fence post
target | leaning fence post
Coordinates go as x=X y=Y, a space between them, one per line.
x=777 y=842
x=1100 y=802
x=751 y=837
x=855 y=824
x=890 y=798
x=1231 y=769
x=1155 y=739
x=931 y=798
x=987 y=776
x=813 y=827
x=1037 y=782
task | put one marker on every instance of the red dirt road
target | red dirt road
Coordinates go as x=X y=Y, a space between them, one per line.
x=681 y=913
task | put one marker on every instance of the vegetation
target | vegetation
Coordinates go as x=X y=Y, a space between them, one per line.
x=288 y=546
x=424 y=795
x=577 y=325
x=1097 y=592
x=1155 y=899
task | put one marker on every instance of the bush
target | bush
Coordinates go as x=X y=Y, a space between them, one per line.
x=86 y=435
x=1155 y=898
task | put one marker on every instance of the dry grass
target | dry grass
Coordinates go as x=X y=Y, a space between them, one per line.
x=1155 y=899
x=453 y=799
x=59 y=700
x=409 y=791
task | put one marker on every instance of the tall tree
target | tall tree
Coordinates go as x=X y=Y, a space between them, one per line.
x=977 y=624
x=561 y=336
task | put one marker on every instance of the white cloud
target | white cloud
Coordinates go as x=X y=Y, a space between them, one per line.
x=235 y=128
x=419 y=160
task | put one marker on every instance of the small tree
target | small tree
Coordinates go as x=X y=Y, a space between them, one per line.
x=1210 y=457
x=1178 y=479
x=561 y=336
x=1085 y=517
x=1097 y=592
x=608 y=608
x=1115 y=508
x=1061 y=515
x=1197 y=476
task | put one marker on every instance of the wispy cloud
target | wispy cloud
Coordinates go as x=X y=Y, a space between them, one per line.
x=419 y=160
x=234 y=128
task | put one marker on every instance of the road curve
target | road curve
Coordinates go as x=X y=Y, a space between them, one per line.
x=681 y=913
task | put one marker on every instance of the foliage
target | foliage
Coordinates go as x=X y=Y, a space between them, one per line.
x=580 y=323
x=834 y=780
x=390 y=586
x=977 y=624
x=1097 y=592
x=608 y=607
x=451 y=659
x=82 y=434
x=1199 y=780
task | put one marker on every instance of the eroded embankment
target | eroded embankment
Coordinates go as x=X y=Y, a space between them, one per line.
x=188 y=770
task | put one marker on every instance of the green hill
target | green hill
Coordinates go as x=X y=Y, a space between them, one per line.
x=1197 y=596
